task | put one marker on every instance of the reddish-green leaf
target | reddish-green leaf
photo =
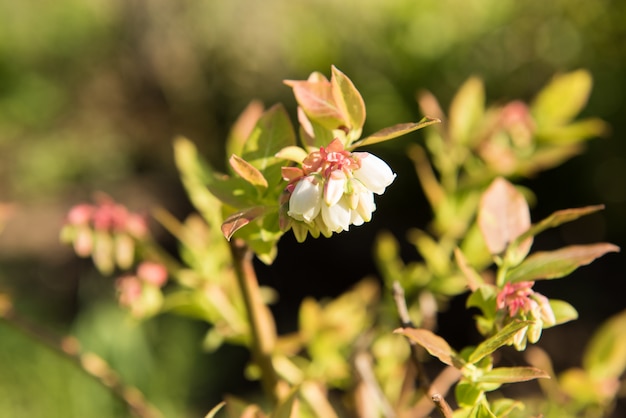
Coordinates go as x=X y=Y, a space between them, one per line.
x=558 y=263
x=315 y=97
x=496 y=341
x=348 y=99
x=393 y=132
x=240 y=219
x=557 y=218
x=247 y=171
x=512 y=375
x=503 y=216
x=434 y=344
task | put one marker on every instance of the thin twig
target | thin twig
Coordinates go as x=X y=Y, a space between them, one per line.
x=91 y=364
x=442 y=405
x=405 y=320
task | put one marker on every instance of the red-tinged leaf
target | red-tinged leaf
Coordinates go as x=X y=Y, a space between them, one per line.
x=247 y=171
x=434 y=344
x=393 y=132
x=348 y=99
x=496 y=341
x=557 y=218
x=503 y=216
x=512 y=375
x=243 y=126
x=317 y=101
x=240 y=219
x=558 y=263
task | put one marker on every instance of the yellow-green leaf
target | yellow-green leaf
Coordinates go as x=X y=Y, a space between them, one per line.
x=512 y=375
x=605 y=355
x=466 y=110
x=562 y=99
x=393 y=132
x=247 y=171
x=558 y=263
x=434 y=344
x=348 y=100
x=496 y=341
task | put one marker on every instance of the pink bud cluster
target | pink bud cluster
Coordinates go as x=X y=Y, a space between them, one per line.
x=332 y=190
x=140 y=292
x=520 y=301
x=106 y=231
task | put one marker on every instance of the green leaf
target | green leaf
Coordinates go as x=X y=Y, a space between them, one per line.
x=512 y=375
x=467 y=393
x=393 y=132
x=605 y=355
x=466 y=110
x=503 y=216
x=562 y=99
x=574 y=132
x=563 y=312
x=247 y=171
x=496 y=341
x=556 y=219
x=503 y=407
x=198 y=176
x=240 y=219
x=348 y=99
x=481 y=410
x=272 y=133
x=434 y=344
x=558 y=263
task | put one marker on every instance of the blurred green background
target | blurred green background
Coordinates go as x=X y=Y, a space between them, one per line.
x=92 y=93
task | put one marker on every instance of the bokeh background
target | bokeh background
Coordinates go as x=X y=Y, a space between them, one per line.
x=92 y=92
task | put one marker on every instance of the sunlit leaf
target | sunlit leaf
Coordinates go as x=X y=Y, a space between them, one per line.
x=466 y=110
x=503 y=216
x=242 y=128
x=496 y=341
x=562 y=99
x=557 y=218
x=315 y=97
x=605 y=355
x=247 y=171
x=240 y=219
x=348 y=99
x=574 y=132
x=558 y=263
x=563 y=312
x=512 y=374
x=393 y=132
x=272 y=133
x=434 y=344
x=292 y=153
x=467 y=393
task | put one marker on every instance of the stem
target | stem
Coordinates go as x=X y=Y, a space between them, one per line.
x=262 y=327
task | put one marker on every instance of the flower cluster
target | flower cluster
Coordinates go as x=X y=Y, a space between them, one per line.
x=106 y=231
x=333 y=190
x=141 y=292
x=521 y=301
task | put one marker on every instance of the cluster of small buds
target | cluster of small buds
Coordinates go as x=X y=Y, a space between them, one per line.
x=333 y=190
x=106 y=231
x=141 y=292
x=520 y=301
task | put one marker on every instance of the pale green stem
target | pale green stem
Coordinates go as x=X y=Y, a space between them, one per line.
x=262 y=327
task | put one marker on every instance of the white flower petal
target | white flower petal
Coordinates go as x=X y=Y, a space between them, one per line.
x=336 y=217
x=366 y=205
x=374 y=173
x=334 y=187
x=305 y=201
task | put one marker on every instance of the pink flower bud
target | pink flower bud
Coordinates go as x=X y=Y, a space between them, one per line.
x=154 y=273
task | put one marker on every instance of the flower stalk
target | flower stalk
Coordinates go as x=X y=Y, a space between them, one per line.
x=262 y=326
